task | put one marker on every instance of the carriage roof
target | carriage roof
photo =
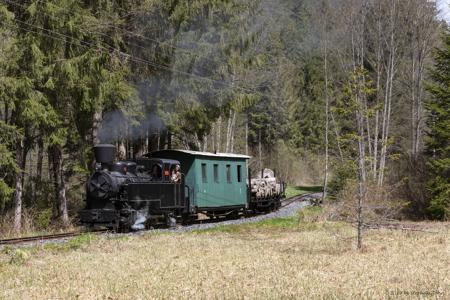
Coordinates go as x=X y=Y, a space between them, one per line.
x=199 y=153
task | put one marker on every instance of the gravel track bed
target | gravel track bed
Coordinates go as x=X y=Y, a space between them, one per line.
x=287 y=211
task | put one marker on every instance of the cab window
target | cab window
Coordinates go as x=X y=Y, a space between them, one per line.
x=156 y=172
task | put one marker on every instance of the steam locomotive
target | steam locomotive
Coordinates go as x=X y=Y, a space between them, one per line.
x=167 y=186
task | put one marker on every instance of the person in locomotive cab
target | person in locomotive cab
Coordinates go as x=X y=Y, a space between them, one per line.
x=156 y=173
x=176 y=174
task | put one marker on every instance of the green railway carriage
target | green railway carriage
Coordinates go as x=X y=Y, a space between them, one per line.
x=215 y=181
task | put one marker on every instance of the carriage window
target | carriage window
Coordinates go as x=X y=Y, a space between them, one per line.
x=204 y=173
x=216 y=173
x=228 y=173
x=239 y=173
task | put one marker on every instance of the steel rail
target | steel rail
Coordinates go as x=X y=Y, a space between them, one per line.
x=20 y=240
x=290 y=200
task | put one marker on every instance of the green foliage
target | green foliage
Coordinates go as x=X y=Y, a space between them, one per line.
x=44 y=219
x=8 y=165
x=19 y=256
x=306 y=110
x=438 y=140
x=343 y=171
x=273 y=223
x=65 y=63
x=78 y=242
x=56 y=72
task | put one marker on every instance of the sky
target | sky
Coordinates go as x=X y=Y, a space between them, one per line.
x=444 y=7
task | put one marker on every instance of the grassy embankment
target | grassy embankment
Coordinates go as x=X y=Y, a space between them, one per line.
x=298 y=257
x=300 y=190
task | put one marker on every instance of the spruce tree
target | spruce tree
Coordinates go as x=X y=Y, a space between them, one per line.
x=437 y=145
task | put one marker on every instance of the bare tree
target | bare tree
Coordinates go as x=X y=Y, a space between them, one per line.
x=391 y=42
x=421 y=26
x=327 y=100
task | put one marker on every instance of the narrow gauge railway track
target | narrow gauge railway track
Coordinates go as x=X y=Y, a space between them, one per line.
x=293 y=199
x=20 y=240
x=40 y=238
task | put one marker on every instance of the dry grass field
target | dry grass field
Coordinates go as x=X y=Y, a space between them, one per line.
x=275 y=259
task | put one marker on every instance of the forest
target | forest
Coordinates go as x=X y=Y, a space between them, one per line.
x=352 y=95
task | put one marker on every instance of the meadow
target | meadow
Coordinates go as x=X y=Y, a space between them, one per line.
x=297 y=257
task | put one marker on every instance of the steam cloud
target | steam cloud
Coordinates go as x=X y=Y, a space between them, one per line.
x=115 y=126
x=140 y=220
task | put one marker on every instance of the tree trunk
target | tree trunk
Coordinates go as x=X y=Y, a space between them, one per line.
x=60 y=208
x=159 y=140
x=325 y=70
x=246 y=135
x=259 y=150
x=40 y=158
x=232 y=132
x=386 y=118
x=169 y=139
x=6 y=116
x=18 y=193
x=338 y=136
x=228 y=137
x=377 y=113
x=361 y=175
x=213 y=137
x=218 y=134
x=205 y=143
x=96 y=122
x=388 y=94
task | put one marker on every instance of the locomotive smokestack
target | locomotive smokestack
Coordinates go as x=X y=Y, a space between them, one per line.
x=105 y=154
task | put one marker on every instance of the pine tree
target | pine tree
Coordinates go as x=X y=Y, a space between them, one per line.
x=437 y=145
x=9 y=133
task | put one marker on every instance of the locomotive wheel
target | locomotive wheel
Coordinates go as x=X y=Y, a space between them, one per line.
x=234 y=215
x=186 y=219
x=124 y=228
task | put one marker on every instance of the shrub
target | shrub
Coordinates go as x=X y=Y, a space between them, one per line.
x=44 y=219
x=341 y=174
x=380 y=203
